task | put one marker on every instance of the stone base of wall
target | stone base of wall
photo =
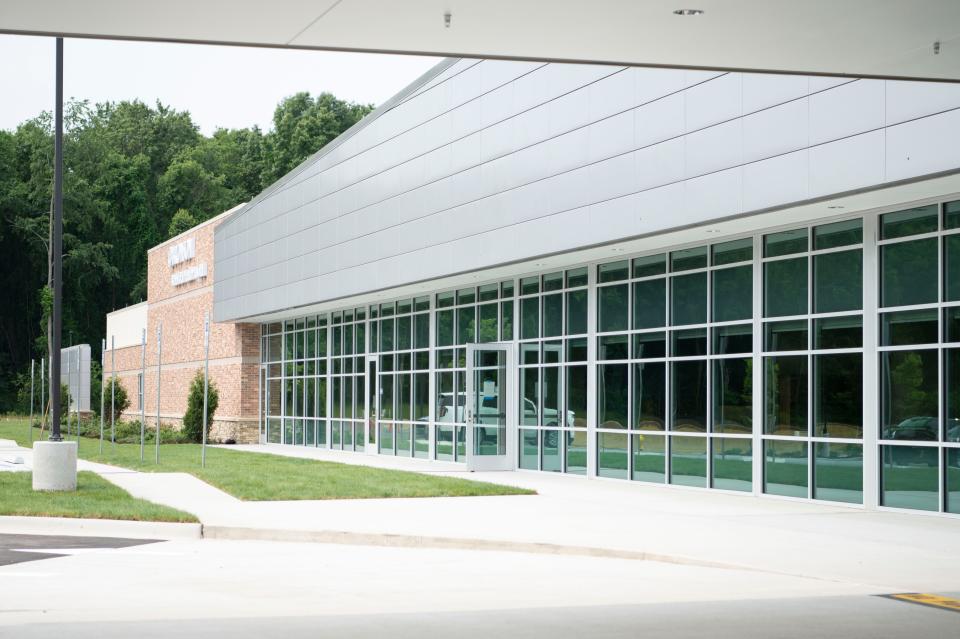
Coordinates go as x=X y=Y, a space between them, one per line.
x=242 y=431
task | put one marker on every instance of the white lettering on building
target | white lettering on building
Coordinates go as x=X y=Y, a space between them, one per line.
x=182 y=252
x=189 y=274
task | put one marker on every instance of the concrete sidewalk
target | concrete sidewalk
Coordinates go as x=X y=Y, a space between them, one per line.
x=892 y=552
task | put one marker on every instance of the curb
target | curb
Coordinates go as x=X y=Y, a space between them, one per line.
x=393 y=540
x=156 y=530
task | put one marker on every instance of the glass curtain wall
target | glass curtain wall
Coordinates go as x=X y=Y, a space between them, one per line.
x=348 y=379
x=553 y=372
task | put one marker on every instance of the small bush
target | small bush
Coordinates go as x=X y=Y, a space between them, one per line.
x=120 y=400
x=193 y=418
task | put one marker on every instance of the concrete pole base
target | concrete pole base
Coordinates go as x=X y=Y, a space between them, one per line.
x=55 y=465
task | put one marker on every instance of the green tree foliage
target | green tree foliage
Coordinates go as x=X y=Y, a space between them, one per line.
x=193 y=418
x=182 y=221
x=114 y=398
x=129 y=169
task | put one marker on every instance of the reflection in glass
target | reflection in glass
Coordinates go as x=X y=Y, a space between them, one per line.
x=838 y=281
x=650 y=265
x=552 y=315
x=785 y=398
x=909 y=327
x=922 y=219
x=689 y=396
x=688 y=299
x=444 y=328
x=649 y=396
x=613 y=271
x=612 y=302
x=951 y=268
x=844 y=233
x=909 y=477
x=908 y=397
x=576 y=396
x=649 y=303
x=688 y=461
x=612 y=395
x=728 y=340
x=488 y=323
x=649 y=345
x=577 y=312
x=529 y=414
x=687 y=259
x=529 y=317
x=908 y=273
x=732 y=463
x=552 y=441
x=613 y=347
x=785 y=468
x=733 y=251
x=838 y=332
x=785 y=287
x=529 y=451
x=576 y=452
x=649 y=457
x=733 y=395
x=733 y=294
x=785 y=243
x=612 y=455
x=953 y=476
x=838 y=472
x=838 y=395
x=951 y=374
x=689 y=343
x=785 y=336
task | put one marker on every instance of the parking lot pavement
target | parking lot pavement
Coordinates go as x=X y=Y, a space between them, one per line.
x=16 y=549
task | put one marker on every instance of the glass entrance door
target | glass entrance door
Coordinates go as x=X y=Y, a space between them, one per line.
x=491 y=414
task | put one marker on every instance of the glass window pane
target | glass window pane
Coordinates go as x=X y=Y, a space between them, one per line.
x=951 y=383
x=733 y=463
x=649 y=457
x=466 y=296
x=529 y=403
x=404 y=333
x=909 y=477
x=444 y=299
x=785 y=411
x=529 y=451
x=530 y=285
x=908 y=273
x=838 y=281
x=732 y=339
x=838 y=472
x=506 y=321
x=951 y=215
x=612 y=395
x=553 y=315
x=689 y=396
x=613 y=347
x=838 y=234
x=576 y=396
x=577 y=312
x=688 y=299
x=909 y=327
x=785 y=336
x=613 y=271
x=734 y=251
x=687 y=259
x=910 y=222
x=612 y=455
x=649 y=345
x=577 y=349
x=612 y=308
x=576 y=452
x=488 y=323
x=733 y=395
x=466 y=325
x=733 y=294
x=444 y=328
x=838 y=395
x=529 y=317
x=553 y=281
x=785 y=287
x=488 y=292
x=838 y=332
x=785 y=243
x=650 y=396
x=650 y=303
x=953 y=479
x=550 y=396
x=688 y=461
x=785 y=468
x=908 y=389
x=689 y=343
x=951 y=268
x=421 y=330
x=577 y=277
x=650 y=265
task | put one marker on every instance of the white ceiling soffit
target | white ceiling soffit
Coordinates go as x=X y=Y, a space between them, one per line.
x=864 y=38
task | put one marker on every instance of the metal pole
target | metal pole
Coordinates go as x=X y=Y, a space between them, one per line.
x=206 y=368
x=69 y=370
x=103 y=360
x=159 y=353
x=113 y=390
x=32 y=375
x=142 y=389
x=56 y=250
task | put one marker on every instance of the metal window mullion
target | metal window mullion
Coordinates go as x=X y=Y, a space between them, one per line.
x=941 y=354
x=871 y=368
x=811 y=363
x=759 y=392
x=592 y=371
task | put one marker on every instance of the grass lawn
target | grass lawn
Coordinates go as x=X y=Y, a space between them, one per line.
x=95 y=498
x=264 y=477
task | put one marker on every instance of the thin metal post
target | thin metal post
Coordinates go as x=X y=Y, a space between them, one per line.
x=69 y=371
x=30 y=423
x=56 y=250
x=103 y=360
x=142 y=389
x=159 y=353
x=43 y=394
x=76 y=400
x=206 y=368
x=113 y=390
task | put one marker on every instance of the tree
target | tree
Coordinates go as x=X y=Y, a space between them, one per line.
x=182 y=221
x=120 y=401
x=193 y=418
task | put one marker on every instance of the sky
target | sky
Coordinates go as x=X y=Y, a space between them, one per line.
x=228 y=87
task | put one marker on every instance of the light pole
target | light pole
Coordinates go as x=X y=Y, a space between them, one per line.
x=56 y=252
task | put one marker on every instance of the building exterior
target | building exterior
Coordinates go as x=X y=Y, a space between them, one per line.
x=180 y=274
x=725 y=281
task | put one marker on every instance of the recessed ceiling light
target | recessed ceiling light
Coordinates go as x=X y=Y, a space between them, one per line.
x=688 y=12
x=835 y=206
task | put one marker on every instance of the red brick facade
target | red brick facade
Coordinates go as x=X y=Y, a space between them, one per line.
x=180 y=309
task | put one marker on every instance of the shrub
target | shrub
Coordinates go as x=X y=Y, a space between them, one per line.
x=193 y=418
x=120 y=400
